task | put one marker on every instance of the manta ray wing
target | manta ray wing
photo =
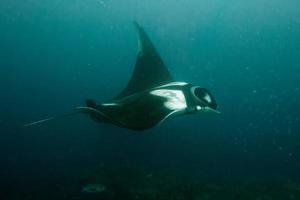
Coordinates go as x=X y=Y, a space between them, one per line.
x=150 y=70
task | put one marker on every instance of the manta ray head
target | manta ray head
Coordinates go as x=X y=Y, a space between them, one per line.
x=204 y=100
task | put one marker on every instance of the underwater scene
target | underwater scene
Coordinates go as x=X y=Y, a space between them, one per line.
x=150 y=100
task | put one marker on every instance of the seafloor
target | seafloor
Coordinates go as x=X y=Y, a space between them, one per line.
x=134 y=183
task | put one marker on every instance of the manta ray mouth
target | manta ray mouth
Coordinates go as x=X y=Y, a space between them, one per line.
x=204 y=98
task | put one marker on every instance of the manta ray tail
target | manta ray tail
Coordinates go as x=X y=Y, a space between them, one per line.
x=52 y=118
x=91 y=105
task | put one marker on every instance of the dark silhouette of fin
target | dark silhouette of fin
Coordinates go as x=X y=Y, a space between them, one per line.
x=91 y=103
x=149 y=71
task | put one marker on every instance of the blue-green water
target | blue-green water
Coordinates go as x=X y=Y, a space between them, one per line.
x=55 y=54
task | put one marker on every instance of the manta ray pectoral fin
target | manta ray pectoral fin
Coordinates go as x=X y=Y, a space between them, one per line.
x=91 y=103
x=98 y=115
x=94 y=112
x=149 y=71
x=88 y=110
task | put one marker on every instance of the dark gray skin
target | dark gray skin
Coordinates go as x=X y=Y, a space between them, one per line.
x=142 y=111
x=135 y=107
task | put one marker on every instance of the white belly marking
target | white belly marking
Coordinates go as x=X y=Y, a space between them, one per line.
x=175 y=98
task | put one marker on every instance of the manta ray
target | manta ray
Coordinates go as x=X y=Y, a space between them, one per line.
x=151 y=95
